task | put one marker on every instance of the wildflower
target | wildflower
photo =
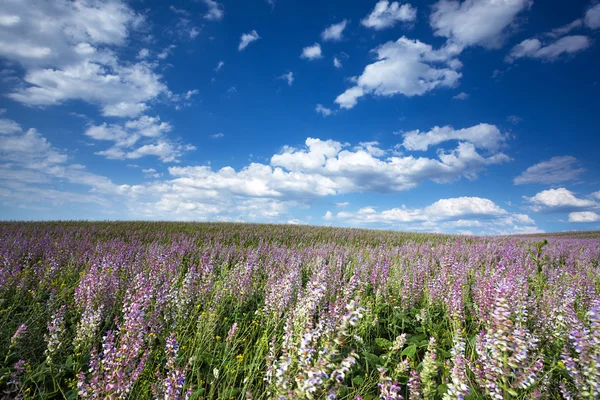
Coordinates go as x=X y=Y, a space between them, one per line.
x=399 y=343
x=388 y=390
x=231 y=332
x=18 y=335
x=458 y=388
x=56 y=328
x=429 y=372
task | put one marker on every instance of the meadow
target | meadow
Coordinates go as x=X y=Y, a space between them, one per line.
x=140 y=310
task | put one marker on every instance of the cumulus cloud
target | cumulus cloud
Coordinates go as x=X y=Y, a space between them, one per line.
x=592 y=17
x=386 y=14
x=312 y=52
x=558 y=200
x=93 y=83
x=482 y=136
x=476 y=22
x=68 y=53
x=443 y=215
x=584 y=216
x=220 y=65
x=533 y=48
x=461 y=96
x=61 y=32
x=151 y=173
x=334 y=32
x=556 y=170
x=149 y=130
x=293 y=178
x=143 y=53
x=408 y=67
x=247 y=38
x=215 y=10
x=8 y=126
x=337 y=63
x=365 y=169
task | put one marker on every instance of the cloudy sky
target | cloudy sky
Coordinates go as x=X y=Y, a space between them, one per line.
x=475 y=116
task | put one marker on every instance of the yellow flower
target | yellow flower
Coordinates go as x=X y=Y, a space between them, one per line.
x=240 y=357
x=218 y=337
x=561 y=365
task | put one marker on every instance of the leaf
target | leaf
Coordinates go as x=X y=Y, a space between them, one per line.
x=372 y=358
x=442 y=389
x=410 y=351
x=383 y=343
x=358 y=380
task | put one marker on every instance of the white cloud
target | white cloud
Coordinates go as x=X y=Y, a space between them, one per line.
x=407 y=67
x=247 y=38
x=193 y=33
x=165 y=150
x=257 y=191
x=592 y=17
x=363 y=169
x=337 y=63
x=113 y=133
x=8 y=126
x=584 y=216
x=444 y=215
x=461 y=96
x=218 y=135
x=482 y=136
x=151 y=173
x=476 y=22
x=215 y=11
x=30 y=148
x=179 y=11
x=143 y=53
x=123 y=109
x=463 y=207
x=328 y=216
x=559 y=199
x=149 y=126
x=342 y=204
x=533 y=48
x=596 y=195
x=312 y=52
x=219 y=66
x=119 y=90
x=386 y=15
x=68 y=52
x=148 y=129
x=324 y=111
x=289 y=77
x=563 y=30
x=334 y=32
x=167 y=51
x=555 y=170
x=48 y=33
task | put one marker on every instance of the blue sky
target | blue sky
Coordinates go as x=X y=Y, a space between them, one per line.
x=476 y=116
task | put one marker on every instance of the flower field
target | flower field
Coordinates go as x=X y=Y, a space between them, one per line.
x=234 y=311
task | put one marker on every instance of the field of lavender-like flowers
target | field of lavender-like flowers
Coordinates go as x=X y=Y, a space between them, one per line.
x=236 y=311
